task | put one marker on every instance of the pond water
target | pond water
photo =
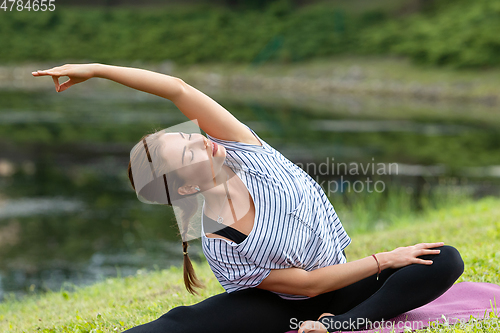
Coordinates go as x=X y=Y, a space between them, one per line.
x=68 y=214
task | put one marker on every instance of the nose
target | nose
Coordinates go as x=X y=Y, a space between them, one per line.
x=200 y=141
x=204 y=141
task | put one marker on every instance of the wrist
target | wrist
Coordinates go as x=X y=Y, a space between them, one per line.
x=98 y=70
x=384 y=260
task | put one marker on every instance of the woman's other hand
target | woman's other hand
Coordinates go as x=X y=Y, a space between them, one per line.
x=76 y=73
x=310 y=326
x=403 y=256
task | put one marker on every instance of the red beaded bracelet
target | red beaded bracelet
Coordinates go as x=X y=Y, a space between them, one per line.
x=378 y=273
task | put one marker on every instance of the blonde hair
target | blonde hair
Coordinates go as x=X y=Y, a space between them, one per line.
x=188 y=207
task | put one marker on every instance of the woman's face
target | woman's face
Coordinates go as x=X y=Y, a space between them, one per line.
x=195 y=158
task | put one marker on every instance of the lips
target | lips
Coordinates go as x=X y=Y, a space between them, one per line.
x=214 y=148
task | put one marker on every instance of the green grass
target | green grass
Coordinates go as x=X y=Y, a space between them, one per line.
x=120 y=303
x=365 y=212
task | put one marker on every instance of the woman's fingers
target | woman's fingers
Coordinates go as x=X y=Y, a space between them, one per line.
x=54 y=71
x=61 y=87
x=66 y=85
x=56 y=82
x=422 y=261
x=55 y=78
x=428 y=251
x=424 y=252
x=75 y=73
x=42 y=72
x=38 y=73
x=403 y=256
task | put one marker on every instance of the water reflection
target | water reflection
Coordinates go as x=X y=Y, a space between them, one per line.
x=385 y=126
x=38 y=206
x=68 y=211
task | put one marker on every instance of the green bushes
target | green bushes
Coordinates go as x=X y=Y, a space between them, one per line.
x=461 y=34
x=185 y=35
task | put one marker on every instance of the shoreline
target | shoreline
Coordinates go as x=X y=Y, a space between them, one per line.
x=360 y=76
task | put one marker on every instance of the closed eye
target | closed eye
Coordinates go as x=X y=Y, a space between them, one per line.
x=192 y=153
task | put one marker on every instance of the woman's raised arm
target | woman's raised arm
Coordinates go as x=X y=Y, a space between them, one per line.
x=211 y=116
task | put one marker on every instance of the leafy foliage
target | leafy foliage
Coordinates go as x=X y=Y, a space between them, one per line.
x=461 y=33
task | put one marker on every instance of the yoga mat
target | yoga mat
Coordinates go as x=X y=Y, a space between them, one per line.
x=455 y=306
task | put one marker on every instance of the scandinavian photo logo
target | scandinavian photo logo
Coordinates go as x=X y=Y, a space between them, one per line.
x=350 y=176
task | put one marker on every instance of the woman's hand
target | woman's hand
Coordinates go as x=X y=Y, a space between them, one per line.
x=403 y=256
x=310 y=326
x=76 y=73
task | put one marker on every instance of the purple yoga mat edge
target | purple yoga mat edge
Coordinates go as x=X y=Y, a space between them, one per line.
x=459 y=303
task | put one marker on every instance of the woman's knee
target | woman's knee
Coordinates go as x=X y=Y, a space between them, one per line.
x=175 y=320
x=449 y=261
x=178 y=314
x=182 y=318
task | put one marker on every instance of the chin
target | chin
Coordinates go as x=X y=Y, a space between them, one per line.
x=219 y=170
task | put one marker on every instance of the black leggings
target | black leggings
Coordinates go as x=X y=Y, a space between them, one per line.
x=257 y=310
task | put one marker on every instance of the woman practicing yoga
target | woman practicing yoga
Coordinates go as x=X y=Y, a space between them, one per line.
x=269 y=232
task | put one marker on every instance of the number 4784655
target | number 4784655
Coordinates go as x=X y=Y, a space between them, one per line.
x=29 y=5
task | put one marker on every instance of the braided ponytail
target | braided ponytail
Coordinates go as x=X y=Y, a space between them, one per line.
x=190 y=279
x=188 y=208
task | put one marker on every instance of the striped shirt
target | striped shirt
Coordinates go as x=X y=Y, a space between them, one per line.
x=295 y=224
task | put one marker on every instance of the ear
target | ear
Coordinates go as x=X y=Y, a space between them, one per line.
x=187 y=189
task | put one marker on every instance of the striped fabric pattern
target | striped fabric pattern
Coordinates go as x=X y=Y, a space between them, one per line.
x=295 y=224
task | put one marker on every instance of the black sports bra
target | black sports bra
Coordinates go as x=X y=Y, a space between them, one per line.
x=211 y=226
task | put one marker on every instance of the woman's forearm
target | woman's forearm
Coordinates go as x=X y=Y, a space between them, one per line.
x=298 y=281
x=144 y=80
x=334 y=277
